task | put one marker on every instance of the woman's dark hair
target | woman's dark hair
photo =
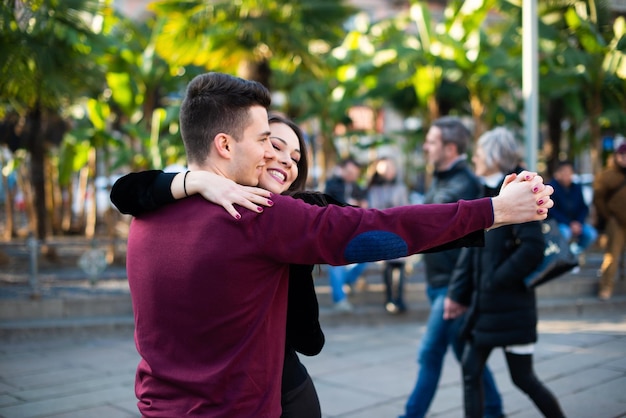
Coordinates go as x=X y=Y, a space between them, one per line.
x=299 y=183
x=317 y=198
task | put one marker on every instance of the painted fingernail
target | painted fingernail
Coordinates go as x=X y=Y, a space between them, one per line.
x=270 y=203
x=540 y=211
x=535 y=189
x=540 y=202
x=237 y=216
x=259 y=208
x=527 y=177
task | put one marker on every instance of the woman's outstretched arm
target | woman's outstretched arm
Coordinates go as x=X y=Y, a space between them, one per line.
x=141 y=192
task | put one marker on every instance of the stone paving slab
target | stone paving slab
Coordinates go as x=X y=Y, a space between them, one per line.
x=364 y=371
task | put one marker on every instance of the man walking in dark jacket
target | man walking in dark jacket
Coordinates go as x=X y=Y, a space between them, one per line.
x=445 y=147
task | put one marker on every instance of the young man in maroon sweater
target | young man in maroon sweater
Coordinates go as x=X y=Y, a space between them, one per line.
x=209 y=292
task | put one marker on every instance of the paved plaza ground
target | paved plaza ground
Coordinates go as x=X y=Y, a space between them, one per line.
x=364 y=371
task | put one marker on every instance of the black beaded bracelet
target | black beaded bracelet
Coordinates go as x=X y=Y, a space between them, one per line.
x=185 y=183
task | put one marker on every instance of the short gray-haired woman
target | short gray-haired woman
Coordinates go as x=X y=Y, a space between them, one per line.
x=489 y=280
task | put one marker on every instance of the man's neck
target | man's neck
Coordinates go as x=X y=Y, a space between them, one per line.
x=448 y=165
x=207 y=166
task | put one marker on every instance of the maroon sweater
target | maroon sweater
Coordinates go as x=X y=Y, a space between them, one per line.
x=210 y=292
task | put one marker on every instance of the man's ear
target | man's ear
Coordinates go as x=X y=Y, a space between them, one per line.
x=222 y=144
x=451 y=150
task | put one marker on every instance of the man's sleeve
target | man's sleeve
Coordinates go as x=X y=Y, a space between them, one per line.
x=336 y=236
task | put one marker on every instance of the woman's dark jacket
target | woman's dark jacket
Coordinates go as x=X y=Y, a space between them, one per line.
x=489 y=280
x=141 y=192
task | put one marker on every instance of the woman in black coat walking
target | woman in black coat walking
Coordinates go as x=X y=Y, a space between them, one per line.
x=489 y=283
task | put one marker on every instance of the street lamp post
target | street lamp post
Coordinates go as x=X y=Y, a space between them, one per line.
x=530 y=83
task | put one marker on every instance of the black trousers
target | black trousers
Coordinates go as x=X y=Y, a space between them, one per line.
x=301 y=402
x=521 y=372
x=394 y=278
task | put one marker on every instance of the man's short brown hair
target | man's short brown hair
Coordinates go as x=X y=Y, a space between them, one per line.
x=217 y=103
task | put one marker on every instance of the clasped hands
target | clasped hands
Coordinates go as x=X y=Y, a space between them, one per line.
x=523 y=198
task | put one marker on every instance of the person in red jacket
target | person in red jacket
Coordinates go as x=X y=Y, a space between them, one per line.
x=209 y=292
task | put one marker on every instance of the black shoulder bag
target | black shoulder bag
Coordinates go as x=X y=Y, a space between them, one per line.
x=558 y=259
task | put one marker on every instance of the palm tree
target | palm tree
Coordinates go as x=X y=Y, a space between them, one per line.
x=250 y=37
x=46 y=59
x=585 y=71
x=144 y=92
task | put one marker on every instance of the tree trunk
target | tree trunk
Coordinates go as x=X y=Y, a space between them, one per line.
x=433 y=113
x=552 y=147
x=9 y=225
x=90 y=225
x=329 y=151
x=595 y=131
x=37 y=154
x=83 y=178
x=477 y=115
x=54 y=196
x=433 y=109
x=255 y=70
x=67 y=206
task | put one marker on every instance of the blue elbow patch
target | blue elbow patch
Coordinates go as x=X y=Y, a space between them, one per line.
x=374 y=246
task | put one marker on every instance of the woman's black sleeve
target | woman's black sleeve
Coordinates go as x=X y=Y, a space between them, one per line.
x=137 y=193
x=473 y=239
x=304 y=332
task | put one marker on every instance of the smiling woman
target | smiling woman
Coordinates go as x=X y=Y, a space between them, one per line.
x=293 y=147
x=281 y=174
